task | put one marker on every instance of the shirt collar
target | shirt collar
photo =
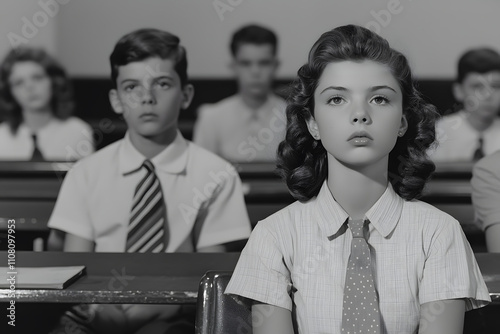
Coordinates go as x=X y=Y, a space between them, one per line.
x=173 y=159
x=384 y=214
x=331 y=216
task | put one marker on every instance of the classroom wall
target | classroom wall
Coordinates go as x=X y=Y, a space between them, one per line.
x=26 y=22
x=432 y=33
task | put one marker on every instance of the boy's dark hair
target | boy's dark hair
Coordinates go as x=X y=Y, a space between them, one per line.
x=302 y=160
x=146 y=43
x=61 y=102
x=253 y=34
x=482 y=60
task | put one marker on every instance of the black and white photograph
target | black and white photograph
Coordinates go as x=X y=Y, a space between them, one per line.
x=250 y=166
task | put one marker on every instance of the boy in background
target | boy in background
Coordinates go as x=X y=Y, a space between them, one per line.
x=474 y=131
x=248 y=126
x=486 y=198
x=152 y=191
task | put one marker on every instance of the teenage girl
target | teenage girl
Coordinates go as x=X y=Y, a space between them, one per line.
x=36 y=104
x=355 y=150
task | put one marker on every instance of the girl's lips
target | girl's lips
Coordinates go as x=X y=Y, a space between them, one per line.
x=360 y=141
x=360 y=134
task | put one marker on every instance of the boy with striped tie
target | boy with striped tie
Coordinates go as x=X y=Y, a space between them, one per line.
x=152 y=191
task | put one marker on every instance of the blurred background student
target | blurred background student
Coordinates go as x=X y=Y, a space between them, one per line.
x=247 y=126
x=486 y=198
x=36 y=107
x=474 y=131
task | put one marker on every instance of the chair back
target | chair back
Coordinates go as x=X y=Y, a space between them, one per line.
x=218 y=313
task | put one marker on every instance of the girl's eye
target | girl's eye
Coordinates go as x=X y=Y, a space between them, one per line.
x=380 y=100
x=336 y=100
x=38 y=77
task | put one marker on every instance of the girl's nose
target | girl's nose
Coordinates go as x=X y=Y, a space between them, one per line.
x=361 y=115
x=364 y=120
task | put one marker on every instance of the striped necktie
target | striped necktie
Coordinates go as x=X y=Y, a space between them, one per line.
x=37 y=155
x=148 y=229
x=360 y=314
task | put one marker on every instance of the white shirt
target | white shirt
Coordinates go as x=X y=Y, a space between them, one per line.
x=299 y=256
x=458 y=140
x=59 y=140
x=235 y=132
x=202 y=193
x=485 y=184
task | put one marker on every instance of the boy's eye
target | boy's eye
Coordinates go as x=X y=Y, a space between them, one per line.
x=130 y=87
x=163 y=84
x=336 y=100
x=265 y=63
x=495 y=85
x=477 y=86
x=244 y=63
x=16 y=83
x=380 y=100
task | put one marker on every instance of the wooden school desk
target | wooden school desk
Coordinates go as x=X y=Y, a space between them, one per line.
x=166 y=278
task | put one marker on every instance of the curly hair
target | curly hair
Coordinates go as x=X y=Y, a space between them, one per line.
x=302 y=160
x=61 y=103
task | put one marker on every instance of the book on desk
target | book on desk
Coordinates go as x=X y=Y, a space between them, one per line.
x=40 y=277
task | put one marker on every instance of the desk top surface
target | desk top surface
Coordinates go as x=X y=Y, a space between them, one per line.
x=155 y=278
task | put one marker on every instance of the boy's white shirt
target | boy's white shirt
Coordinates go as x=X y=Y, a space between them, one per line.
x=235 y=132
x=96 y=196
x=458 y=140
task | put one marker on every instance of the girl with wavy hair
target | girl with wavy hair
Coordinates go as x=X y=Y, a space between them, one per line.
x=36 y=104
x=357 y=253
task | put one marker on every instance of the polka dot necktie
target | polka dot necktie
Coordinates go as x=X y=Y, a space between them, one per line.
x=360 y=309
x=148 y=230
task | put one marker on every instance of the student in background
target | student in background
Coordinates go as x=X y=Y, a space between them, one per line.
x=474 y=131
x=355 y=159
x=486 y=198
x=249 y=125
x=152 y=191
x=37 y=103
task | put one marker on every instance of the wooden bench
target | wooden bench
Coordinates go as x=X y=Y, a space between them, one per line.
x=28 y=192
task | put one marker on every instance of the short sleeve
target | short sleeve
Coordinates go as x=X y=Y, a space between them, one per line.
x=224 y=218
x=70 y=212
x=261 y=273
x=205 y=130
x=486 y=194
x=451 y=271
